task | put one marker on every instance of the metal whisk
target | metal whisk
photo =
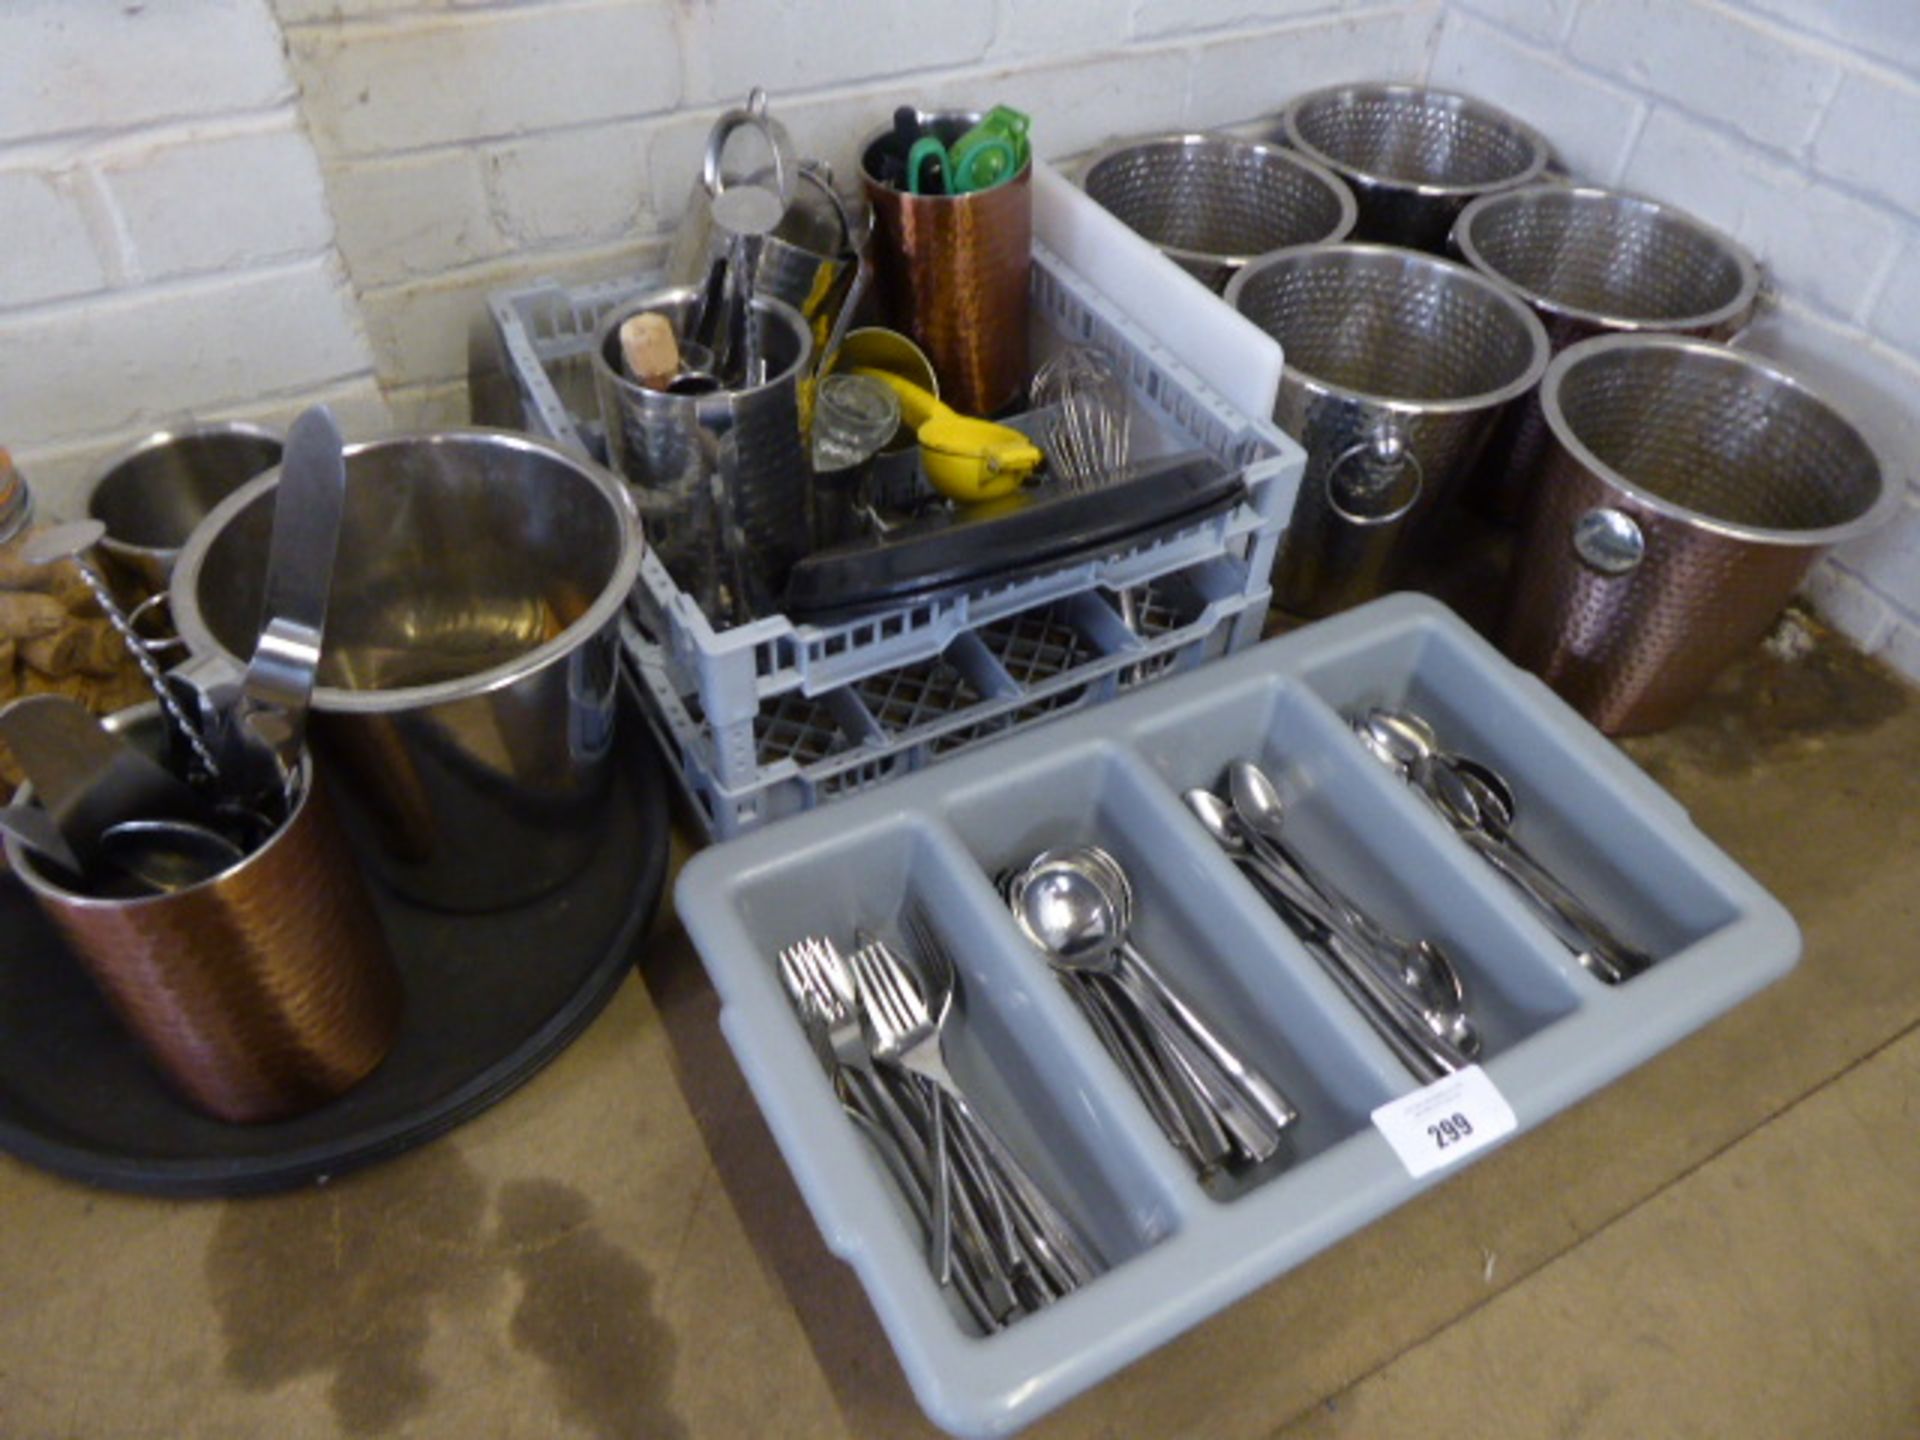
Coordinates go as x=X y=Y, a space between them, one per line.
x=1087 y=440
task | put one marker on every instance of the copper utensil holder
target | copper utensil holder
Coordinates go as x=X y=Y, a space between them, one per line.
x=260 y=993
x=951 y=272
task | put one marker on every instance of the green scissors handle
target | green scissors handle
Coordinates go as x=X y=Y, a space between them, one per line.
x=987 y=161
x=927 y=147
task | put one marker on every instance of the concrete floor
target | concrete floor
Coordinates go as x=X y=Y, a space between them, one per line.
x=1723 y=1243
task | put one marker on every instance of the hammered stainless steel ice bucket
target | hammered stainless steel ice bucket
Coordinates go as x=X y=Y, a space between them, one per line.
x=1397 y=366
x=1212 y=202
x=1413 y=157
x=1593 y=262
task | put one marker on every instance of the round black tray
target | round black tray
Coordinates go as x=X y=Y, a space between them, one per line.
x=489 y=1000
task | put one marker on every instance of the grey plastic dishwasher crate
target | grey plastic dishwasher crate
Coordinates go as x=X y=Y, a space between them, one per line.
x=776 y=716
x=1553 y=1034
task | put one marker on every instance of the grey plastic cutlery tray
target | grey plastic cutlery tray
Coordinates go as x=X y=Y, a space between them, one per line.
x=1180 y=1251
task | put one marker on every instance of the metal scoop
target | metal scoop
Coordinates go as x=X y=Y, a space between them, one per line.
x=86 y=777
x=168 y=855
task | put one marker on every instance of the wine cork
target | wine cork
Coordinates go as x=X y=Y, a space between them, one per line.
x=57 y=654
x=27 y=616
x=651 y=352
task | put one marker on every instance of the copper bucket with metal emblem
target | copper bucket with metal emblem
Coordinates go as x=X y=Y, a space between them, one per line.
x=1688 y=490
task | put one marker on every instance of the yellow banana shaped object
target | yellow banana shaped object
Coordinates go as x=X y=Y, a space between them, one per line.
x=966 y=459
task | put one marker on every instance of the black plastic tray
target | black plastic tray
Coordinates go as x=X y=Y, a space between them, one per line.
x=490 y=999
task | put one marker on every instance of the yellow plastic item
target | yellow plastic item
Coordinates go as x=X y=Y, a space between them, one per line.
x=966 y=459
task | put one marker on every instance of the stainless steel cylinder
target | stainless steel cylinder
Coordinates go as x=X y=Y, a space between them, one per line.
x=152 y=495
x=1592 y=262
x=1397 y=366
x=1211 y=202
x=1413 y=157
x=259 y=993
x=720 y=477
x=468 y=682
x=1688 y=489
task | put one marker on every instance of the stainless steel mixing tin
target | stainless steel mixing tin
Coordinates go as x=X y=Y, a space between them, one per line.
x=721 y=478
x=467 y=690
x=1397 y=366
x=151 y=495
x=1591 y=261
x=1413 y=157
x=1688 y=489
x=1213 y=202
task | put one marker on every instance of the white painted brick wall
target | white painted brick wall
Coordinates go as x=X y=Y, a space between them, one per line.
x=379 y=86
x=169 y=251
x=81 y=66
x=1713 y=60
x=211 y=201
x=1794 y=124
x=1238 y=76
x=784 y=47
x=156 y=352
x=1871 y=136
x=1591 y=121
x=1544 y=21
x=412 y=216
x=1821 y=243
x=45 y=237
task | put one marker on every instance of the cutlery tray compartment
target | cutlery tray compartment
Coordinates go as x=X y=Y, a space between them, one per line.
x=1048 y=1100
x=1363 y=830
x=1114 y=776
x=1632 y=860
x=1260 y=992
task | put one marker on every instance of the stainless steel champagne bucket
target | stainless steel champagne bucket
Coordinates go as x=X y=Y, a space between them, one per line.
x=1688 y=489
x=1594 y=262
x=721 y=478
x=1397 y=366
x=1413 y=157
x=1211 y=202
x=468 y=685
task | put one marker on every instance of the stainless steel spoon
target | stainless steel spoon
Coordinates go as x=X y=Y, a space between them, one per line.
x=1394 y=1015
x=1480 y=819
x=1077 y=904
x=1422 y=969
x=1479 y=803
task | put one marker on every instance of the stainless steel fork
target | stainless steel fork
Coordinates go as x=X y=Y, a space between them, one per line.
x=905 y=1019
x=821 y=986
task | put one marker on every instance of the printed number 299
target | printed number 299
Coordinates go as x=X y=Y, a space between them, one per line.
x=1450 y=1130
